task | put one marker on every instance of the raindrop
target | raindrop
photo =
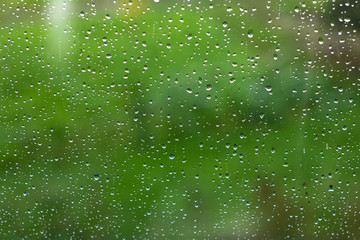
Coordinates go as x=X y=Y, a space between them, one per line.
x=250 y=33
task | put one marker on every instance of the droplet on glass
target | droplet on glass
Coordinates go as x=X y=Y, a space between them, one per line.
x=250 y=33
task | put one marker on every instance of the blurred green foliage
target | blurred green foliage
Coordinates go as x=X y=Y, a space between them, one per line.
x=178 y=120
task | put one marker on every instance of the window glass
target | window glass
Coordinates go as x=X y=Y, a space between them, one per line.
x=157 y=119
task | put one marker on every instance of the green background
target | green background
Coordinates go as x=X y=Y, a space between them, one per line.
x=179 y=120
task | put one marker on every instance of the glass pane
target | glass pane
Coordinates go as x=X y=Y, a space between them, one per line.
x=155 y=119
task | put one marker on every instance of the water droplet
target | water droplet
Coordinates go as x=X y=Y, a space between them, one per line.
x=268 y=88
x=321 y=40
x=250 y=33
